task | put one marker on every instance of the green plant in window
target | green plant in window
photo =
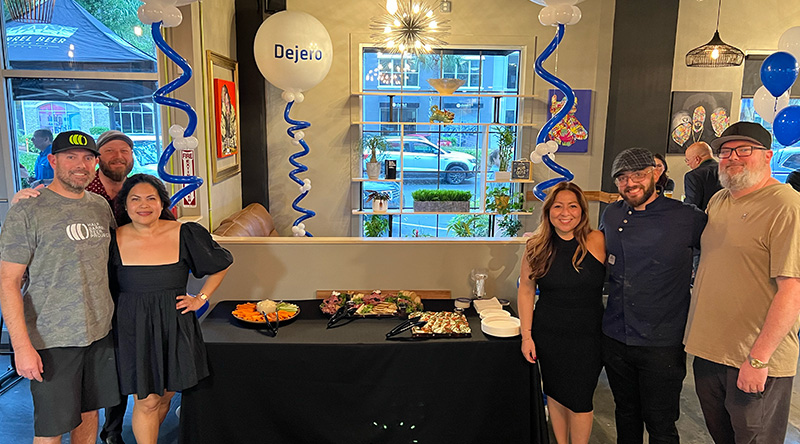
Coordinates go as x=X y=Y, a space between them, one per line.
x=502 y=201
x=375 y=226
x=97 y=130
x=469 y=225
x=441 y=195
x=375 y=144
x=506 y=138
x=509 y=225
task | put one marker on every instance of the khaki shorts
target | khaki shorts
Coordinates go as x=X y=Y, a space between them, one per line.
x=75 y=380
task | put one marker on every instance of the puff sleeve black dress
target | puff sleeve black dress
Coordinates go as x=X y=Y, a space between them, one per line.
x=567 y=327
x=158 y=348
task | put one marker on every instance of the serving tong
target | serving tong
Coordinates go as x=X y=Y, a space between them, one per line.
x=346 y=311
x=272 y=328
x=408 y=324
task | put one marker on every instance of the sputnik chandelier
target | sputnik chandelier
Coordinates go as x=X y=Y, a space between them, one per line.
x=409 y=26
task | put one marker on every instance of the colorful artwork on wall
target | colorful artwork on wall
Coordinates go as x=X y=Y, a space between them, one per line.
x=572 y=133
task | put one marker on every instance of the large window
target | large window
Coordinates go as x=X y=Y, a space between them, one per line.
x=93 y=68
x=437 y=156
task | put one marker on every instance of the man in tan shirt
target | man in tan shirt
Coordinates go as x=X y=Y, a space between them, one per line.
x=743 y=319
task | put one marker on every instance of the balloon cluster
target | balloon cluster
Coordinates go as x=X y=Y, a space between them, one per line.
x=164 y=11
x=559 y=12
x=778 y=74
x=548 y=148
x=293 y=51
x=182 y=138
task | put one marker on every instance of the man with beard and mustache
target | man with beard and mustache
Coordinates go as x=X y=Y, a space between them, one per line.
x=650 y=241
x=60 y=326
x=743 y=322
x=116 y=162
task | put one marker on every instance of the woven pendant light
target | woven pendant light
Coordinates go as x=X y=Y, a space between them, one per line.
x=31 y=11
x=716 y=53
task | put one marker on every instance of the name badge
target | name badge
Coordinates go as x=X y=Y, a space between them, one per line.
x=611 y=259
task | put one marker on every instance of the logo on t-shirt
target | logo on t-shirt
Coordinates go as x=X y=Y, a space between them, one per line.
x=79 y=232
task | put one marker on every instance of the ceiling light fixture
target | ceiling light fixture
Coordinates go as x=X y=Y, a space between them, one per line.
x=716 y=53
x=411 y=28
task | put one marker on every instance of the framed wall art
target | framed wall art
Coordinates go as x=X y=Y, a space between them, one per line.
x=697 y=116
x=572 y=133
x=223 y=105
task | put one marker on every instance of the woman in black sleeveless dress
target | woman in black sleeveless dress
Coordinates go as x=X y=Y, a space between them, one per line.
x=565 y=259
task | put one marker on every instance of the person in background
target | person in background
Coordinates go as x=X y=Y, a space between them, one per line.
x=665 y=185
x=160 y=346
x=60 y=327
x=650 y=241
x=702 y=181
x=42 y=171
x=565 y=259
x=743 y=321
x=793 y=179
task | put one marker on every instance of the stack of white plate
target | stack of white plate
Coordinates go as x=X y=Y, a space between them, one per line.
x=503 y=326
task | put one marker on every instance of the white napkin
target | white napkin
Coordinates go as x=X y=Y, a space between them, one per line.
x=483 y=304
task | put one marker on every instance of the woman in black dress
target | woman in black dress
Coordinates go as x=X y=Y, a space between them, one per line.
x=565 y=259
x=160 y=348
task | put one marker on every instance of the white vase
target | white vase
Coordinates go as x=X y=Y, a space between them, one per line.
x=502 y=176
x=379 y=206
x=373 y=170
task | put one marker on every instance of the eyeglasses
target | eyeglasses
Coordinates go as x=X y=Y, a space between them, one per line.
x=741 y=151
x=637 y=177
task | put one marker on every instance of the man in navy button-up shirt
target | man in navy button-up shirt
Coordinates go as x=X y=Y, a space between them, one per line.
x=650 y=240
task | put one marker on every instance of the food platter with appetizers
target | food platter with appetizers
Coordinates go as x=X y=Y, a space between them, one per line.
x=376 y=304
x=253 y=312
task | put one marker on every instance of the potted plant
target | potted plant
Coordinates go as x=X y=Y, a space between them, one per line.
x=506 y=139
x=509 y=225
x=469 y=225
x=375 y=144
x=502 y=201
x=441 y=201
x=380 y=200
x=375 y=226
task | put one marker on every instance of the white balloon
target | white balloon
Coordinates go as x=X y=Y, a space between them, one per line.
x=547 y=16
x=299 y=135
x=541 y=149
x=563 y=14
x=293 y=51
x=171 y=17
x=149 y=13
x=535 y=157
x=191 y=142
x=768 y=106
x=552 y=156
x=307 y=181
x=176 y=131
x=301 y=226
x=556 y=2
x=287 y=96
x=180 y=143
x=552 y=146
x=299 y=97
x=790 y=42
x=295 y=142
x=576 y=15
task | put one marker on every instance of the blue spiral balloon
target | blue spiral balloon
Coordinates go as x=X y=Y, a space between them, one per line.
x=160 y=96
x=566 y=174
x=298 y=125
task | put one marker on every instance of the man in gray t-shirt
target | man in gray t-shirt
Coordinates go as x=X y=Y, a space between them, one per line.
x=60 y=327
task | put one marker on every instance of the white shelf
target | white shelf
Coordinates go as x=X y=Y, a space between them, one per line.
x=436 y=94
x=367 y=179
x=511 y=181
x=445 y=124
x=425 y=213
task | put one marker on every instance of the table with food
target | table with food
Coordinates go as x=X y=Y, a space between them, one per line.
x=362 y=367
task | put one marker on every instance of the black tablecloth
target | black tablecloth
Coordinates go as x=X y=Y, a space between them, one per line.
x=350 y=385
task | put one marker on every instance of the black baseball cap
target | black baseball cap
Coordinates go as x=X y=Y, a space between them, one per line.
x=749 y=131
x=68 y=140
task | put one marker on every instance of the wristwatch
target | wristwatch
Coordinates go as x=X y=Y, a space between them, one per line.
x=202 y=296
x=755 y=363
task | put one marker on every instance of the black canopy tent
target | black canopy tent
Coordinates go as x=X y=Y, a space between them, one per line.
x=75 y=41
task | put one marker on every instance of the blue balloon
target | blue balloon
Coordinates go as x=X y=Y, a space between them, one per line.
x=778 y=72
x=787 y=125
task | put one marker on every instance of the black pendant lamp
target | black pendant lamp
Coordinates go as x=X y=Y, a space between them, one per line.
x=716 y=53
